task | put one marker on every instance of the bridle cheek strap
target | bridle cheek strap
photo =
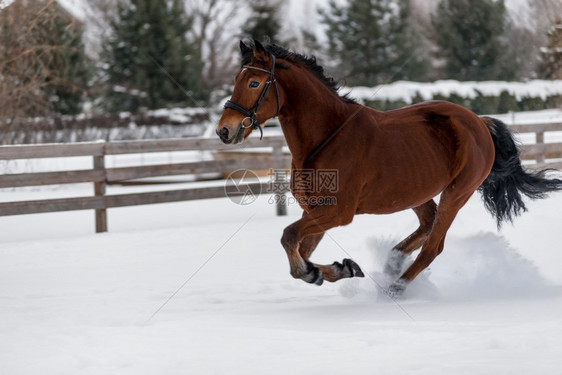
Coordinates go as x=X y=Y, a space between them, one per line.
x=251 y=114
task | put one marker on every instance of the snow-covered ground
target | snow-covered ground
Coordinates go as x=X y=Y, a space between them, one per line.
x=203 y=288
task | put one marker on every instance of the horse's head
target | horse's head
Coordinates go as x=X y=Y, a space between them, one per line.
x=255 y=99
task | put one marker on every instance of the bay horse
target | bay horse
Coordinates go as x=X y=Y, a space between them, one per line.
x=385 y=161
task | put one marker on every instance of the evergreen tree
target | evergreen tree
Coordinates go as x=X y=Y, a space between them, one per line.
x=150 y=61
x=373 y=41
x=552 y=53
x=263 y=22
x=470 y=40
x=70 y=69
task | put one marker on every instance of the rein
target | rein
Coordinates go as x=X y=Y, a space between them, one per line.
x=319 y=148
x=251 y=113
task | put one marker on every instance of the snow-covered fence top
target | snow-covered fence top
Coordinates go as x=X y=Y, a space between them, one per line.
x=407 y=91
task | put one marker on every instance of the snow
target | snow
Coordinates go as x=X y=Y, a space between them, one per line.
x=78 y=8
x=5 y=3
x=406 y=90
x=522 y=13
x=203 y=287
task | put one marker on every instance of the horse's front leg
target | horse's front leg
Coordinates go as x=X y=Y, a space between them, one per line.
x=300 y=240
x=298 y=248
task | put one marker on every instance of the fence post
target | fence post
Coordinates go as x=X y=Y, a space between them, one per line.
x=281 y=207
x=99 y=191
x=539 y=139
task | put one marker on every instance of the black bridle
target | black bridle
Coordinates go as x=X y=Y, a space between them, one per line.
x=251 y=114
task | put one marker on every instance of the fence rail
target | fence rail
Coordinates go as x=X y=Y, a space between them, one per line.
x=544 y=154
x=257 y=155
x=269 y=153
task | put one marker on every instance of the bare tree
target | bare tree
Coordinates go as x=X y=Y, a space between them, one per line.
x=546 y=12
x=31 y=65
x=22 y=75
x=216 y=25
x=528 y=35
x=99 y=14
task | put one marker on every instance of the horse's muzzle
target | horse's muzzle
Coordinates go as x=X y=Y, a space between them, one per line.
x=225 y=135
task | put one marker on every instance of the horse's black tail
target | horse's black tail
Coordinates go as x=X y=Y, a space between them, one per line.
x=502 y=189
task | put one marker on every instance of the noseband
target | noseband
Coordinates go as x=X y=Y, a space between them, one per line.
x=251 y=114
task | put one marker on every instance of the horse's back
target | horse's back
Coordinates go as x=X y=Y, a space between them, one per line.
x=453 y=128
x=419 y=150
x=474 y=147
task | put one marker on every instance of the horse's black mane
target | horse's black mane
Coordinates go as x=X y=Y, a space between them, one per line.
x=308 y=62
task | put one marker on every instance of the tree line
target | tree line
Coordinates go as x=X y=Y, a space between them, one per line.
x=155 y=54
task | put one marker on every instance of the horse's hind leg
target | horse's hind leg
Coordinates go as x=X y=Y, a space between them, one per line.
x=449 y=205
x=426 y=217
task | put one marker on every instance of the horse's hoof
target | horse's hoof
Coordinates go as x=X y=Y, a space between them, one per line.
x=313 y=276
x=353 y=268
x=396 y=289
x=319 y=279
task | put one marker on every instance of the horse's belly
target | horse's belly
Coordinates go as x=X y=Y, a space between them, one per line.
x=381 y=198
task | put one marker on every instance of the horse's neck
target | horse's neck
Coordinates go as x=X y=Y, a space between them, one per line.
x=309 y=116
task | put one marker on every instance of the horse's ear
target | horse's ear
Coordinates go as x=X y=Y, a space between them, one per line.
x=259 y=46
x=244 y=48
x=260 y=53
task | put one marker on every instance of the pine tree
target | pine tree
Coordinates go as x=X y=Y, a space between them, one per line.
x=150 y=61
x=470 y=40
x=552 y=53
x=70 y=68
x=374 y=41
x=263 y=22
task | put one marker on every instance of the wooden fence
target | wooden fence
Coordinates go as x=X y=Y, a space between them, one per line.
x=268 y=155
x=545 y=155
x=257 y=155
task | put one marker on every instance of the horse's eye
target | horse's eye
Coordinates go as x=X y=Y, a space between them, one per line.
x=254 y=84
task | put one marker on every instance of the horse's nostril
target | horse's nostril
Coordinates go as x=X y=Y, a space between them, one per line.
x=223 y=133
